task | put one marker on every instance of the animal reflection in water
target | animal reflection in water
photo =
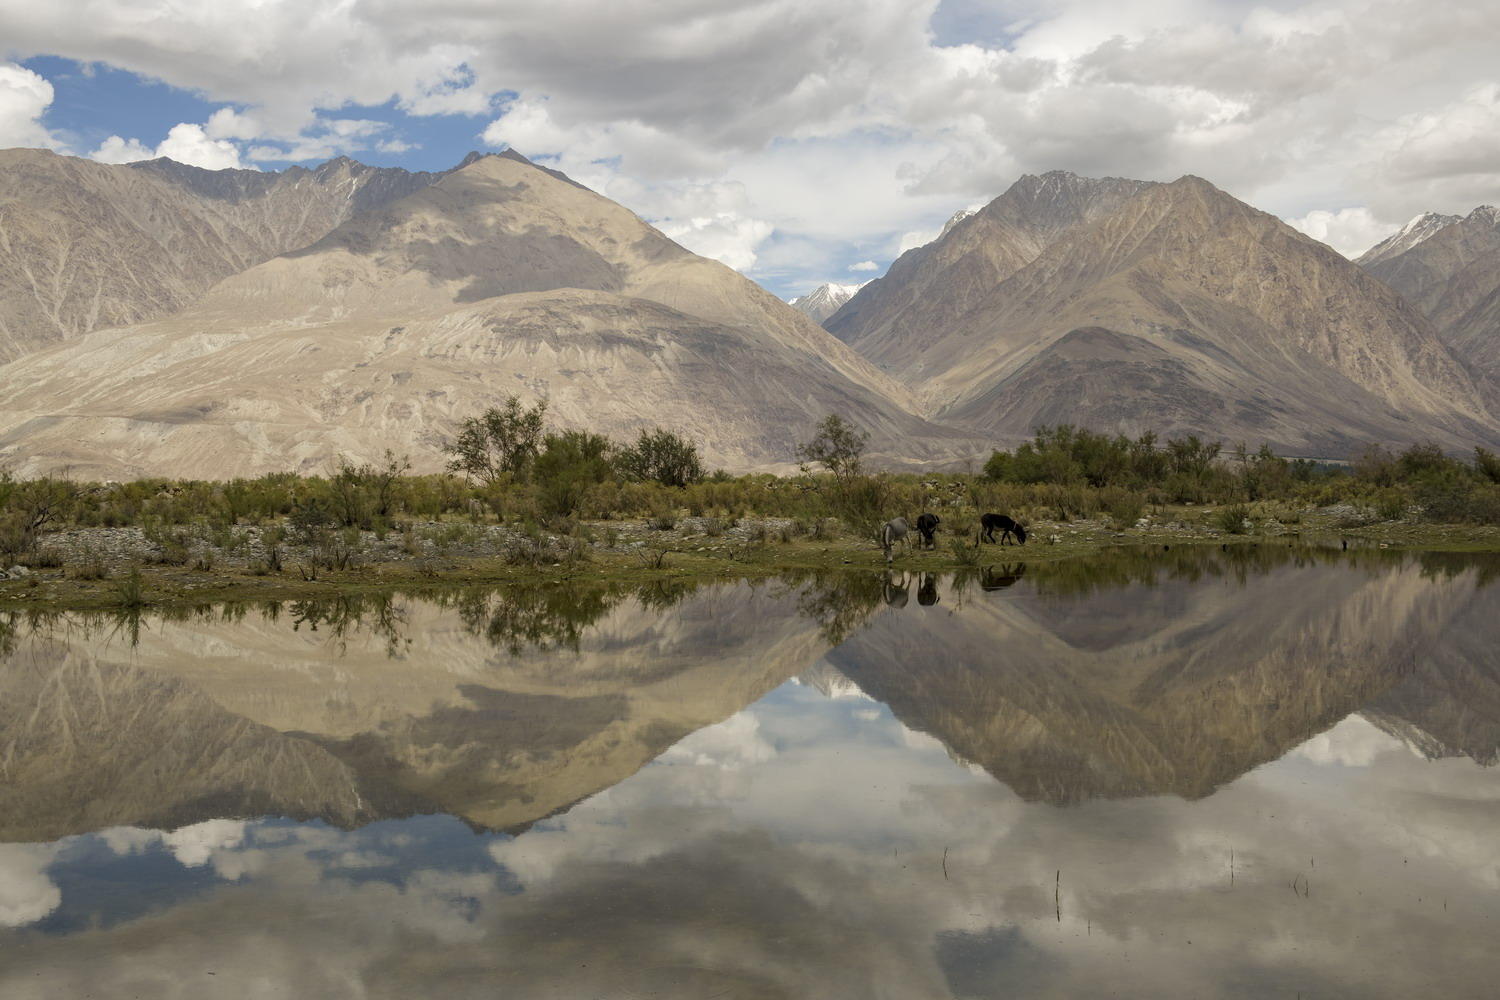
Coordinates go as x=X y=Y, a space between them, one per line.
x=895 y=594
x=991 y=523
x=897 y=591
x=1001 y=577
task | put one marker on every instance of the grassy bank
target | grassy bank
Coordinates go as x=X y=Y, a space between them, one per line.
x=80 y=569
x=578 y=505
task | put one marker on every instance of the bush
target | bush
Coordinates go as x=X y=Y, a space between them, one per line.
x=1234 y=518
x=570 y=464
x=1125 y=508
x=662 y=457
x=129 y=592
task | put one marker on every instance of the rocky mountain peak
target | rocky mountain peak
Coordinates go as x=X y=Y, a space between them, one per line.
x=1423 y=227
x=823 y=301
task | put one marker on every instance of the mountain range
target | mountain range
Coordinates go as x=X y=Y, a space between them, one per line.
x=158 y=319
x=1129 y=306
x=496 y=278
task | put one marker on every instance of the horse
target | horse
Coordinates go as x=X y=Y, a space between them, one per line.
x=927 y=591
x=1007 y=527
x=893 y=531
x=927 y=526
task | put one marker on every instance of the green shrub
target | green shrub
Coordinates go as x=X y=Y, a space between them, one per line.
x=1233 y=518
x=662 y=457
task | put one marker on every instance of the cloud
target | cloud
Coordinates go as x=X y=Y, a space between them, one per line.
x=27 y=893
x=849 y=124
x=116 y=149
x=185 y=143
x=864 y=265
x=24 y=97
x=1350 y=231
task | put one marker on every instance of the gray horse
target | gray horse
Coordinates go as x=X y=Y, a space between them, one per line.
x=893 y=531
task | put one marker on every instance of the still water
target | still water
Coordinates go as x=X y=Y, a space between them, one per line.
x=1266 y=773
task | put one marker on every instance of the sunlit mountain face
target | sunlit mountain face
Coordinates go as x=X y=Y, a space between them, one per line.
x=1159 y=774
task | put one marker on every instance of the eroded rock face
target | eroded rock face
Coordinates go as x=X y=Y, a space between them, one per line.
x=1449 y=268
x=386 y=333
x=85 y=246
x=1124 y=306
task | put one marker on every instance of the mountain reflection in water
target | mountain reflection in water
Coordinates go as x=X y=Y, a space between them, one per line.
x=1183 y=773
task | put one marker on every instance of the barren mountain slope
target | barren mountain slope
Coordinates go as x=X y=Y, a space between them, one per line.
x=930 y=288
x=1186 y=310
x=86 y=245
x=500 y=278
x=1452 y=277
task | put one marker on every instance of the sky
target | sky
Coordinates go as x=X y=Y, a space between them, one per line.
x=799 y=141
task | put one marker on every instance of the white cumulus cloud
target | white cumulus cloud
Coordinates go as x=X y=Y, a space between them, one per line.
x=24 y=97
x=185 y=142
x=1350 y=231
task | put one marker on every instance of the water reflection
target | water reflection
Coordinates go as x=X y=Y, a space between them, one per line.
x=1161 y=774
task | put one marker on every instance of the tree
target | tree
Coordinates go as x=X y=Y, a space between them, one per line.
x=837 y=446
x=503 y=441
x=570 y=464
x=661 y=456
x=29 y=506
x=360 y=491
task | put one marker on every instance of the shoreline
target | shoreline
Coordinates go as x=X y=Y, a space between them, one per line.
x=631 y=553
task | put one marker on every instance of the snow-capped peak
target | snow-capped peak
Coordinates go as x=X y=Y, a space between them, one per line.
x=1418 y=230
x=823 y=301
x=959 y=216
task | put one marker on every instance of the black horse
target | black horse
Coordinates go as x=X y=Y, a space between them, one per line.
x=927 y=526
x=927 y=591
x=1008 y=528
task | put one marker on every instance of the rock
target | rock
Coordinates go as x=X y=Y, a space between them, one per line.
x=17 y=573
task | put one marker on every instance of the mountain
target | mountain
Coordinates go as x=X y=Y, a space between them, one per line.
x=86 y=245
x=1452 y=275
x=954 y=219
x=500 y=277
x=823 y=301
x=1126 y=306
x=930 y=287
x=1423 y=227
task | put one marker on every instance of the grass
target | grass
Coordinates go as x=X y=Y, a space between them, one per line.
x=814 y=544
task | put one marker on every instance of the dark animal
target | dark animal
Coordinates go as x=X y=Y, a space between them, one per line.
x=893 y=531
x=998 y=578
x=927 y=592
x=927 y=526
x=992 y=523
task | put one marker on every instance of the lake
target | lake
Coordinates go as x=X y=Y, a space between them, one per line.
x=1266 y=772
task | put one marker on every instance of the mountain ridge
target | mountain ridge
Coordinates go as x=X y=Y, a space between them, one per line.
x=409 y=317
x=89 y=246
x=1235 y=325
